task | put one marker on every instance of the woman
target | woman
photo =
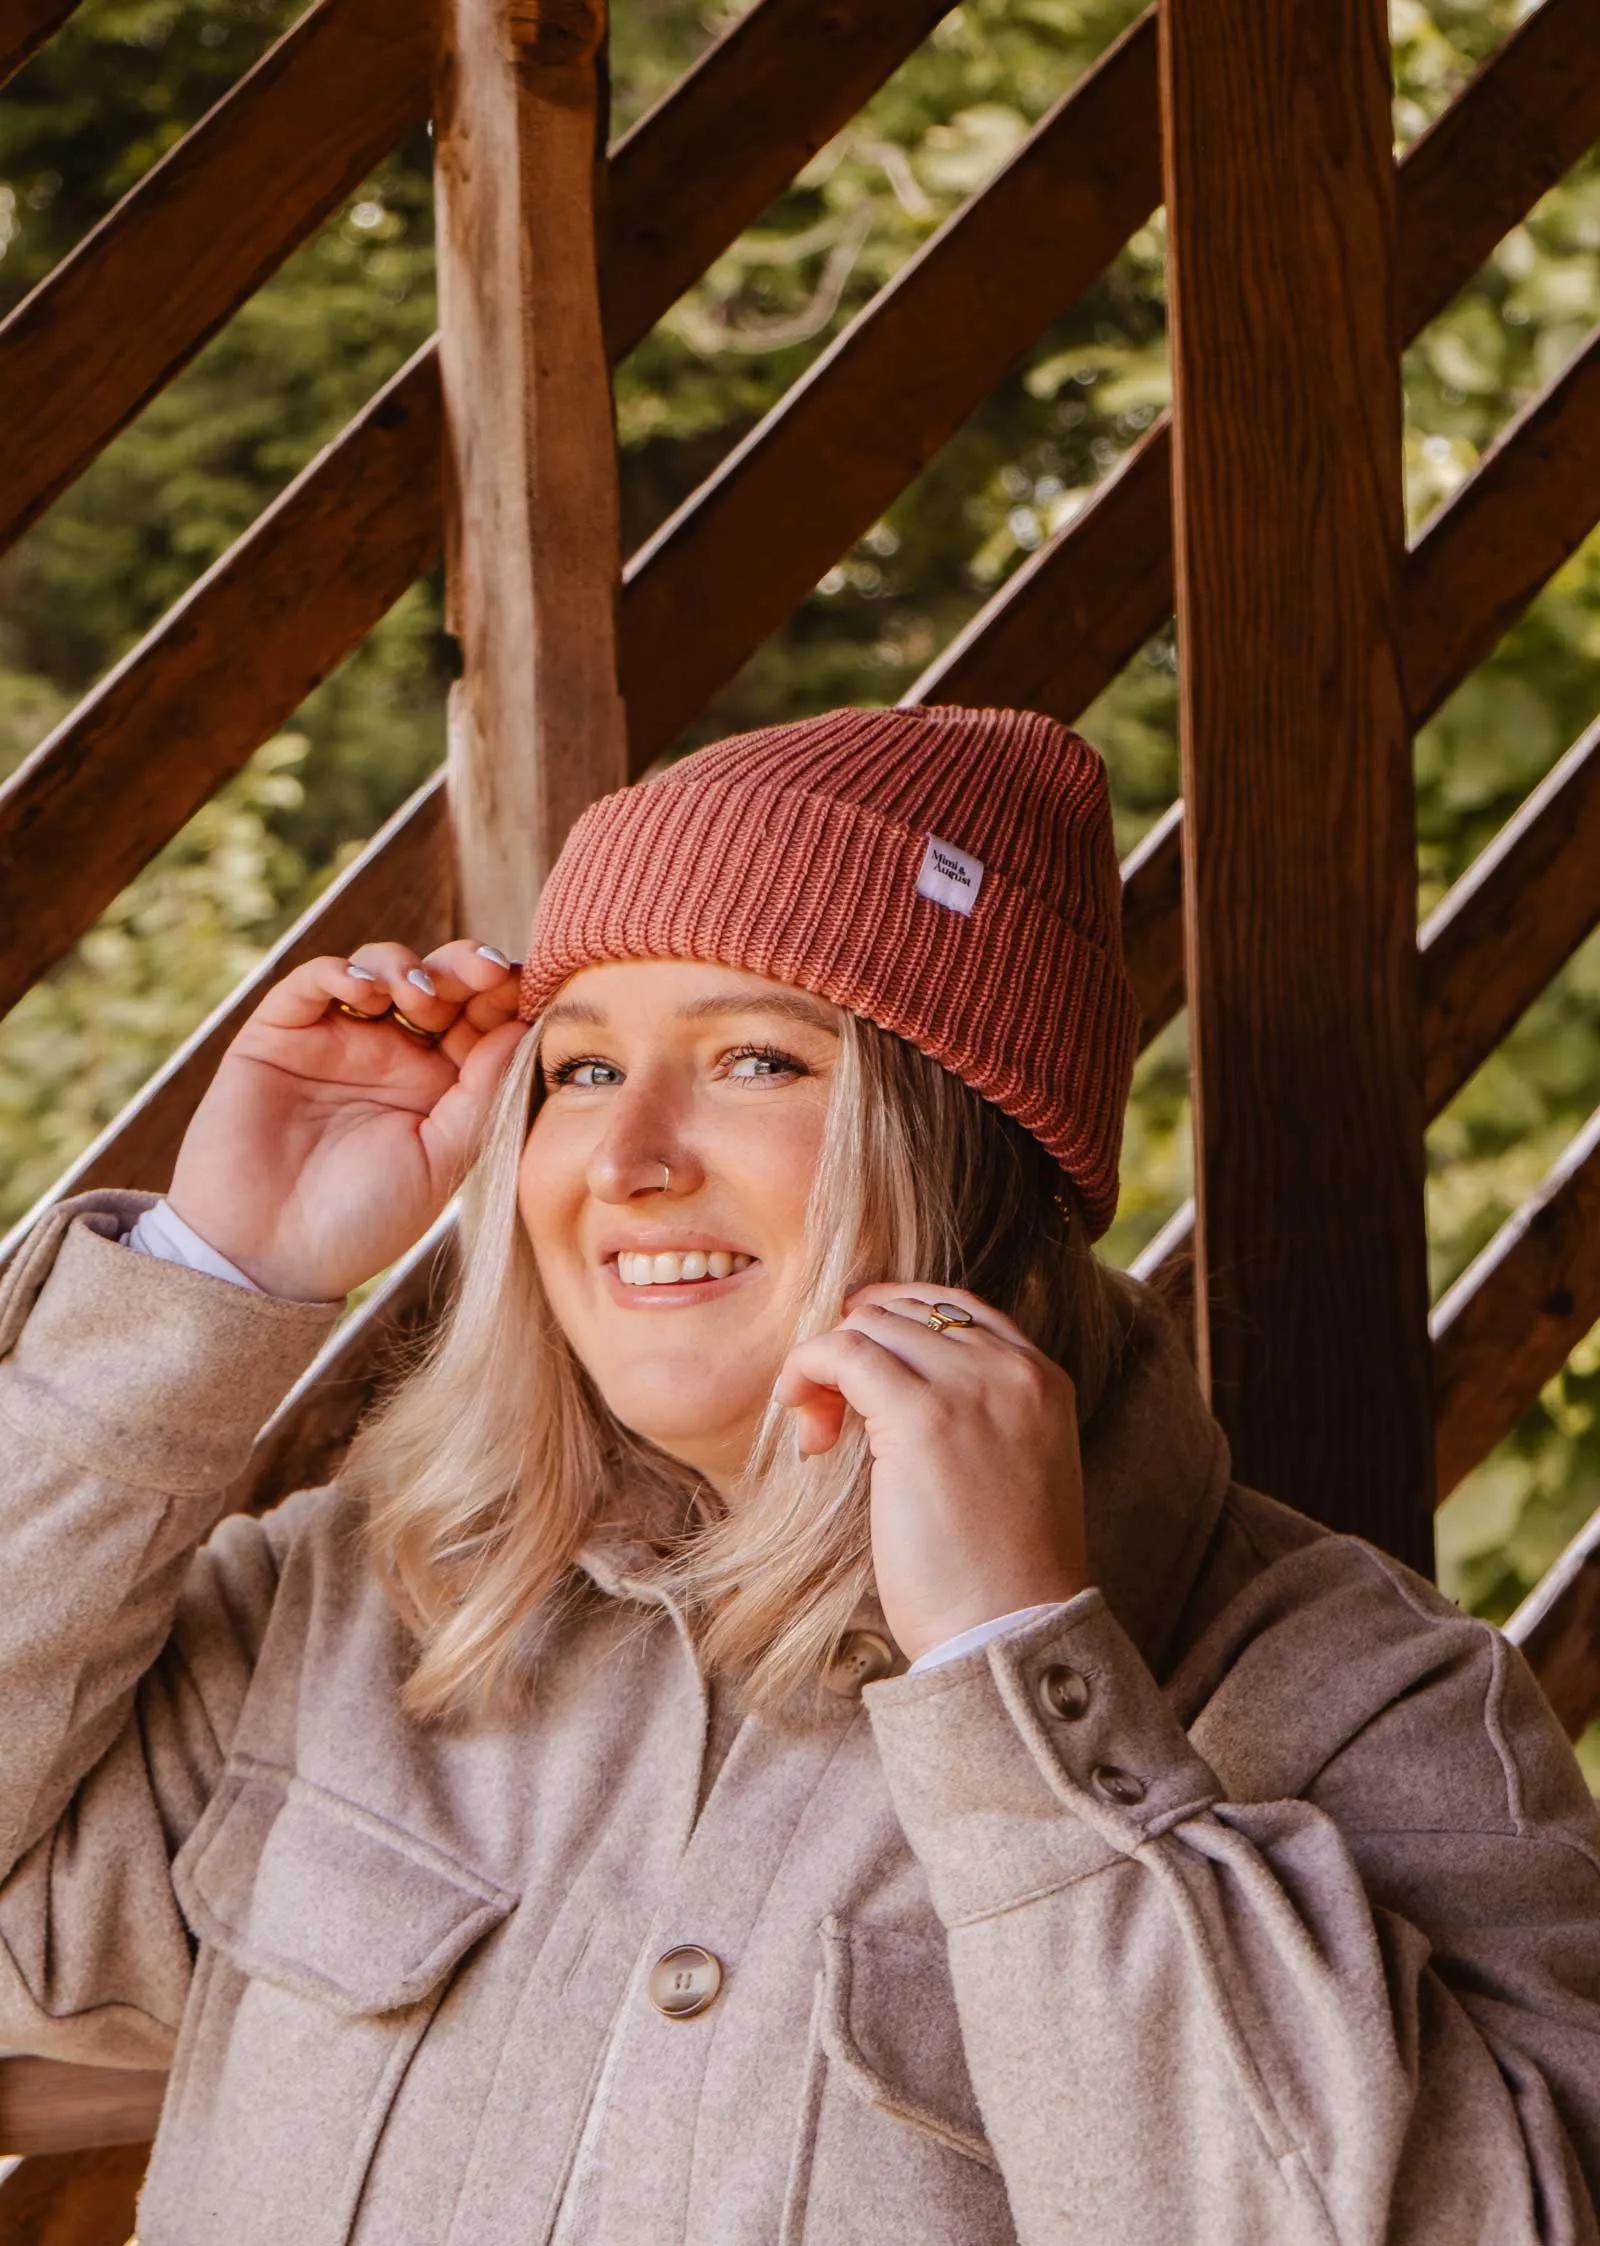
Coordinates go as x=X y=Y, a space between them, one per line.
x=783 y=1731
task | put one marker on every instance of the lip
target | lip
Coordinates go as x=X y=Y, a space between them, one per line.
x=681 y=1243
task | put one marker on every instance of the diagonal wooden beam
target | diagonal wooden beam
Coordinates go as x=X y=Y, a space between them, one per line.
x=1514 y=1317
x=729 y=137
x=327 y=591
x=1558 y=1628
x=1530 y=502
x=242 y=649
x=198 y=235
x=849 y=436
x=1511 y=922
x=400 y=885
x=1488 y=949
x=25 y=27
x=1066 y=622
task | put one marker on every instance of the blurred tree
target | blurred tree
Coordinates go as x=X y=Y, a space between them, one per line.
x=124 y=79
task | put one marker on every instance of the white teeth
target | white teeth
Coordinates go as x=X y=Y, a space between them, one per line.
x=668 y=1270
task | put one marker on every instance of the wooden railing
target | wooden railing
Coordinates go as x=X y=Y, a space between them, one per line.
x=302 y=587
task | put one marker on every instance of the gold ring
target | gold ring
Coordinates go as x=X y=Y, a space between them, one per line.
x=355 y=1013
x=414 y=1029
x=948 y=1314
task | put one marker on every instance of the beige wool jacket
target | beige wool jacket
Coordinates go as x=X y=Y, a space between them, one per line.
x=1252 y=1896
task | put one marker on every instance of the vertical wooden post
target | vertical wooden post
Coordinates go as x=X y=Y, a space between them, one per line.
x=1299 y=844
x=532 y=553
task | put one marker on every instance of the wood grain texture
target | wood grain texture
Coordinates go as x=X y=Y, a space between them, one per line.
x=712 y=155
x=399 y=887
x=1516 y=1314
x=198 y=235
x=1558 y=1628
x=48 y=2107
x=1512 y=921
x=1062 y=627
x=726 y=570
x=72 y=2198
x=1530 y=502
x=238 y=653
x=1527 y=117
x=1298 y=830
x=24 y=28
x=532 y=528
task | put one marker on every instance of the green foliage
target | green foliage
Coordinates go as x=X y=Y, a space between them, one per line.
x=125 y=78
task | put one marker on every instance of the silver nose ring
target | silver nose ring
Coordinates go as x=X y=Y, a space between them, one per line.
x=666 y=1176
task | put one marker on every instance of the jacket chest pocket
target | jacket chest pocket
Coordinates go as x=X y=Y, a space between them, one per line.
x=327 y=1937
x=891 y=2140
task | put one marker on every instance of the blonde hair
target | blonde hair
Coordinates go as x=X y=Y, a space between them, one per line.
x=494 y=1462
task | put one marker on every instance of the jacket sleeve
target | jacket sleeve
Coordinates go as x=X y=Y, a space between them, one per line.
x=130 y=1393
x=1187 y=2017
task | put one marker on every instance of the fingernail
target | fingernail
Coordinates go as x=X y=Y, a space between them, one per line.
x=361 y=974
x=487 y=951
x=422 y=979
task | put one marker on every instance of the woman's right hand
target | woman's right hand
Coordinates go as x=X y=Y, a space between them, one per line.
x=325 y=1146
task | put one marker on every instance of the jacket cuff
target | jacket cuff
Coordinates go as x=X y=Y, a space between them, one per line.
x=1043 y=1757
x=138 y=1370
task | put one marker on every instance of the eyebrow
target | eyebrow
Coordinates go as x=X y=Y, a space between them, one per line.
x=791 y=1005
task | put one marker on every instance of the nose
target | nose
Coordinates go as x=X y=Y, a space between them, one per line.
x=643 y=1154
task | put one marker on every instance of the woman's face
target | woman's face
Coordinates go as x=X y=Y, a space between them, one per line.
x=664 y=1188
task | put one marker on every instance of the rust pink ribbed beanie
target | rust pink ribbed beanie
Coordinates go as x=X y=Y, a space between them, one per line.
x=947 y=873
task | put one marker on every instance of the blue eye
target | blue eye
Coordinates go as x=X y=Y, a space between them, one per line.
x=587 y=1075
x=763 y=1064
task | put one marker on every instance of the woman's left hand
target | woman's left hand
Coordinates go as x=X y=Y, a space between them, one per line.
x=977 y=1479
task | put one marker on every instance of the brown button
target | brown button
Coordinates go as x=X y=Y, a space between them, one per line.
x=1116 y=1785
x=685 y=1981
x=860 y=1658
x=1062 y=1692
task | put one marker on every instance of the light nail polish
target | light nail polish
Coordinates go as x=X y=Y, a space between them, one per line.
x=497 y=958
x=360 y=974
x=422 y=979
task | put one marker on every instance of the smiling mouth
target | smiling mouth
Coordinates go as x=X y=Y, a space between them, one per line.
x=669 y=1270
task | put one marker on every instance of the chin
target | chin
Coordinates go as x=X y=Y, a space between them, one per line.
x=678 y=1422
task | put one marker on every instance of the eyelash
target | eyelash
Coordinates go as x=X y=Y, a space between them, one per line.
x=567 y=1070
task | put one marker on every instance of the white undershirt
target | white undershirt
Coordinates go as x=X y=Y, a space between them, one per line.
x=162 y=1233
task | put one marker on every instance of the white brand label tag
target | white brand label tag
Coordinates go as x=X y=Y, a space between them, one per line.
x=949 y=876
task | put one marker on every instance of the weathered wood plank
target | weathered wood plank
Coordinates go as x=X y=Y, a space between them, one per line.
x=48 y=2107
x=237 y=654
x=1558 y=1628
x=532 y=532
x=1300 y=951
x=729 y=137
x=400 y=887
x=1530 y=502
x=878 y=404
x=198 y=235
x=1512 y=921
x=72 y=2198
x=25 y=27
x=1517 y=1313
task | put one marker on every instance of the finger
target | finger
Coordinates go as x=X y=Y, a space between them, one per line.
x=917 y=1298
x=427 y=993
x=303 y=996
x=958 y=1352
x=872 y=1380
x=489 y=980
x=453 y=1129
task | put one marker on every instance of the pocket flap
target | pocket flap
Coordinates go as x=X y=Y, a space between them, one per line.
x=305 y=1890
x=889 y=2024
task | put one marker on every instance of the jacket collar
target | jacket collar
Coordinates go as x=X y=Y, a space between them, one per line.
x=1155 y=1467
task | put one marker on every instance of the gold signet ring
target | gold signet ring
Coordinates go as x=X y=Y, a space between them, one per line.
x=948 y=1314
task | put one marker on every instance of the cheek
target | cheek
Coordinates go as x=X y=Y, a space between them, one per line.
x=551 y=1189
